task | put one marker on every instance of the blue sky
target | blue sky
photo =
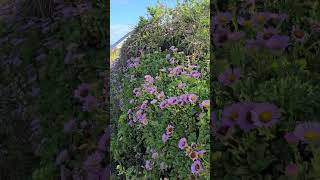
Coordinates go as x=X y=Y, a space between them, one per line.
x=124 y=15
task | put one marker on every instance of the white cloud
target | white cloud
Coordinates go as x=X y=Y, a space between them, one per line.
x=117 y=31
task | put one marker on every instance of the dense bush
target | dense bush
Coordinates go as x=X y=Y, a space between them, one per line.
x=266 y=92
x=160 y=96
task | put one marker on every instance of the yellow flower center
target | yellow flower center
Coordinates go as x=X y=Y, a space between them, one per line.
x=312 y=135
x=193 y=98
x=247 y=23
x=261 y=19
x=265 y=117
x=188 y=150
x=223 y=19
x=232 y=78
x=234 y=116
x=207 y=104
x=267 y=36
x=299 y=34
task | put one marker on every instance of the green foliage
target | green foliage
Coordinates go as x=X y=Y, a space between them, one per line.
x=45 y=173
x=131 y=145
x=287 y=78
x=186 y=27
x=29 y=153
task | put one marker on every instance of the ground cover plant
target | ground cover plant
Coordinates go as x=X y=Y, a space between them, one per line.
x=54 y=112
x=160 y=96
x=265 y=82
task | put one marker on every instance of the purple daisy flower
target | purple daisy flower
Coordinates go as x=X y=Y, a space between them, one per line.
x=292 y=170
x=201 y=153
x=267 y=34
x=291 y=138
x=148 y=165
x=172 y=100
x=277 y=42
x=82 y=91
x=315 y=26
x=90 y=103
x=246 y=123
x=233 y=114
x=144 y=105
x=169 y=129
x=148 y=79
x=181 y=85
x=175 y=71
x=151 y=89
x=137 y=92
x=163 y=104
x=308 y=132
x=193 y=146
x=278 y=18
x=161 y=96
x=265 y=114
x=192 y=98
x=245 y=22
x=193 y=155
x=143 y=119
x=196 y=167
x=139 y=113
x=180 y=102
x=223 y=131
x=229 y=76
x=205 y=104
x=173 y=49
x=195 y=74
x=222 y=19
x=220 y=37
x=260 y=18
x=184 y=98
x=165 y=137
x=298 y=34
x=183 y=143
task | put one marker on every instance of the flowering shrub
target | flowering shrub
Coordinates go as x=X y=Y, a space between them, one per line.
x=265 y=123
x=165 y=105
x=160 y=94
